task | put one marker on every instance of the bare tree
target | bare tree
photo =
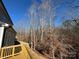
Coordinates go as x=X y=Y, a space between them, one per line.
x=47 y=13
x=33 y=24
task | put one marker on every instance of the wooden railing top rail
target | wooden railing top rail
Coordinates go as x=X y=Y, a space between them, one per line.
x=10 y=46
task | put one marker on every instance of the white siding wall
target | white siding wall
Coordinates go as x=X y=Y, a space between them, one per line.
x=1 y=35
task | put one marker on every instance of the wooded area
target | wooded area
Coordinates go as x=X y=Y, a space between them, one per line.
x=53 y=42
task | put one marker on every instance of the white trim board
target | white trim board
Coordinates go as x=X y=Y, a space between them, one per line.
x=1 y=35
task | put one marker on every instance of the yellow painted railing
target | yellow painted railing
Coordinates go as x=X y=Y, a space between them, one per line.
x=10 y=51
x=21 y=51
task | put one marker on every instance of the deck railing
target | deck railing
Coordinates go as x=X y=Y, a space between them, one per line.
x=10 y=51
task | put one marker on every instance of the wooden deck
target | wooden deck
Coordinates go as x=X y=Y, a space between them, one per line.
x=23 y=52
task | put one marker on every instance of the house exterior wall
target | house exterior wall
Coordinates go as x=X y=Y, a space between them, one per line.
x=9 y=37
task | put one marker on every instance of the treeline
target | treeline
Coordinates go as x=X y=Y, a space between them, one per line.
x=53 y=42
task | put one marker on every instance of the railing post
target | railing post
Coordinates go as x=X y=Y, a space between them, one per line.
x=1 y=53
x=13 y=51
